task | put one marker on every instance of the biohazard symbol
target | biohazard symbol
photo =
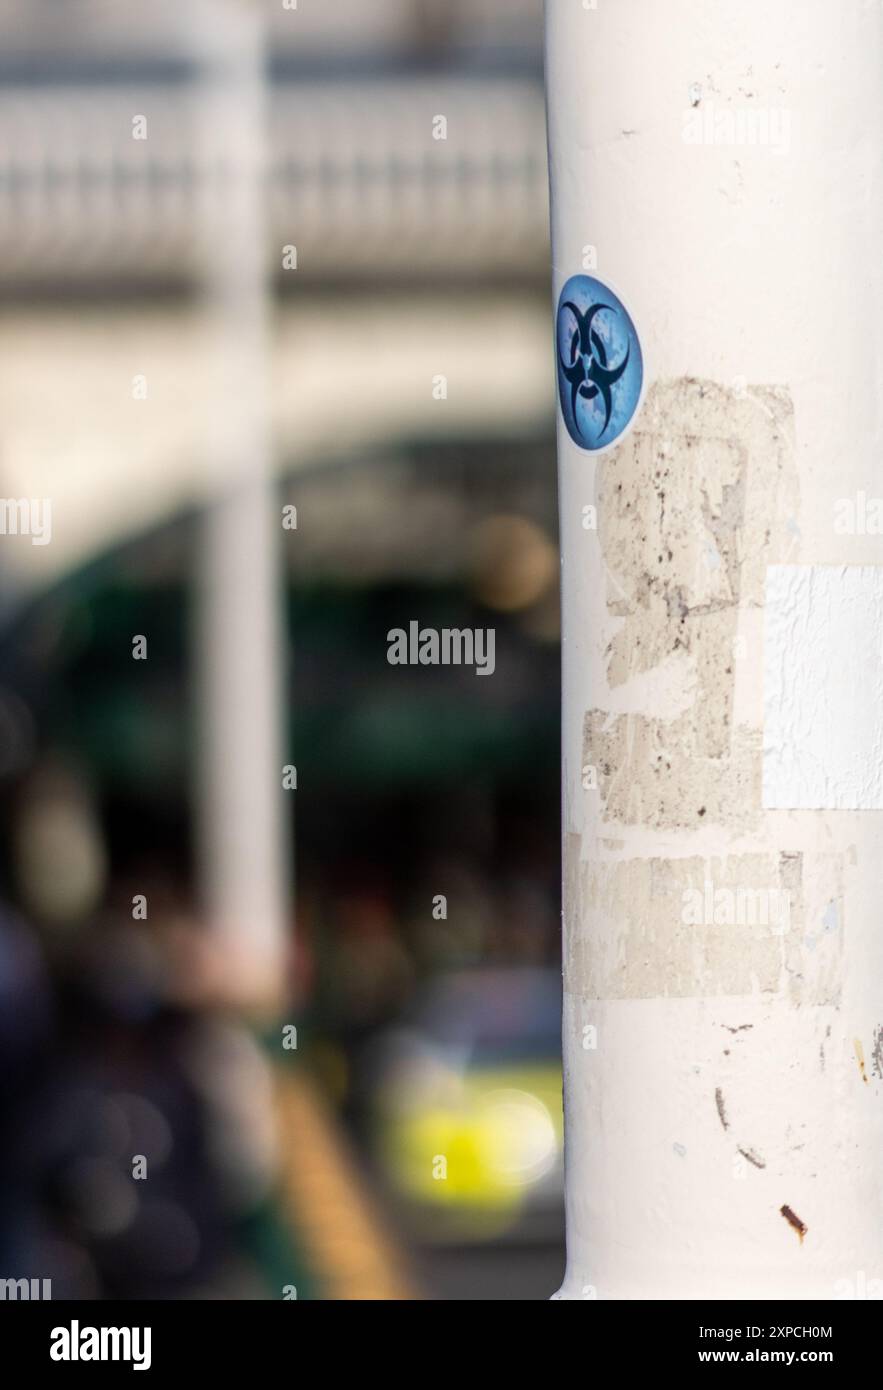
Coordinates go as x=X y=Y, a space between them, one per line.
x=587 y=371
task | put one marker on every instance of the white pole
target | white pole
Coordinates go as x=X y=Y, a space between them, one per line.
x=240 y=796
x=715 y=175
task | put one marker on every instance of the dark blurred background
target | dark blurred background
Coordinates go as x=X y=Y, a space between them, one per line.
x=330 y=1067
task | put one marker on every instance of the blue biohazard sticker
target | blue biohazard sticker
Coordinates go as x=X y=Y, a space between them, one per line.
x=600 y=363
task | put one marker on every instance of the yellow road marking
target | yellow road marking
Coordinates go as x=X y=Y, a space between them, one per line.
x=353 y=1255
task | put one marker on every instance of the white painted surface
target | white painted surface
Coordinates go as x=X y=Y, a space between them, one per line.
x=823 y=687
x=754 y=278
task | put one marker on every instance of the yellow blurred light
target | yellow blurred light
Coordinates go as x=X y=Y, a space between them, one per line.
x=482 y=1145
x=524 y=1144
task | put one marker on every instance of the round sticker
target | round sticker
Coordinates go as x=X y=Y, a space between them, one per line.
x=600 y=363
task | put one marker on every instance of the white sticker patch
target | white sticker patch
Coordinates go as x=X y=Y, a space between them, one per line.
x=823 y=688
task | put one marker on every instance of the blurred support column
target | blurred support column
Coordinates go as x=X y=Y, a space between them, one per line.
x=240 y=801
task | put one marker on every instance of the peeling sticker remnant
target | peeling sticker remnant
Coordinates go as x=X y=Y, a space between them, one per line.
x=720 y=467
x=823 y=689
x=676 y=928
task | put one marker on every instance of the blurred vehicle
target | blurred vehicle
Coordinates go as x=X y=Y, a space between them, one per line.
x=469 y=1127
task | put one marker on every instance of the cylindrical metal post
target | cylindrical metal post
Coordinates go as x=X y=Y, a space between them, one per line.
x=717 y=214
